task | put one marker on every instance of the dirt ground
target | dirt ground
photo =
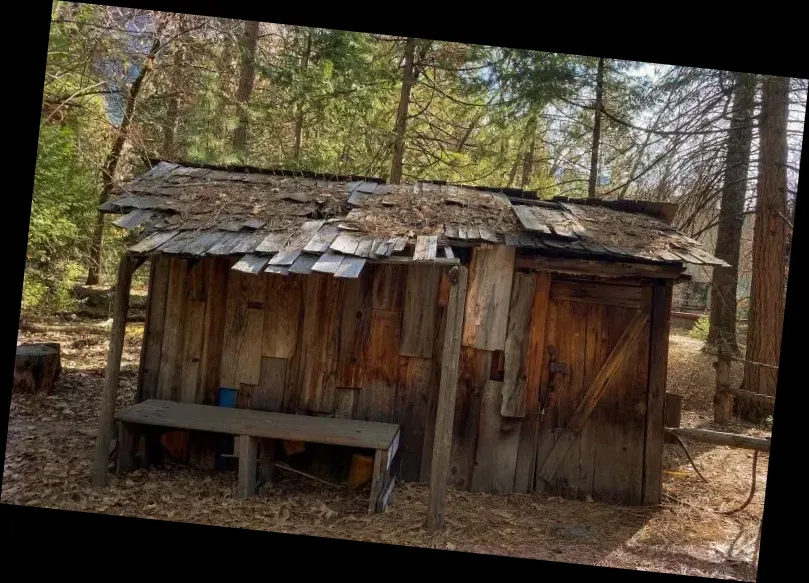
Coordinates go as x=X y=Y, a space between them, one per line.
x=51 y=439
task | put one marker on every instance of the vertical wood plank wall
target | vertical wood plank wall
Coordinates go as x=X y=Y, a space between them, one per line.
x=370 y=348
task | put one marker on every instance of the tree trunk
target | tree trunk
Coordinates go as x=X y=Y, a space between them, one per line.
x=765 y=322
x=111 y=165
x=173 y=106
x=528 y=158
x=408 y=80
x=591 y=190
x=731 y=214
x=37 y=368
x=247 y=76
x=296 y=152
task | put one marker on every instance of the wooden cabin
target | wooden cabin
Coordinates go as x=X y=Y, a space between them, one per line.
x=327 y=296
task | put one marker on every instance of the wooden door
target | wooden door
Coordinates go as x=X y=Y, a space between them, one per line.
x=593 y=391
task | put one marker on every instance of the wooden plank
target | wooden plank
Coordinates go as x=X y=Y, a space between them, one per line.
x=170 y=370
x=605 y=269
x=546 y=428
x=213 y=329
x=497 y=443
x=660 y=325
x=236 y=342
x=364 y=247
x=444 y=423
x=354 y=328
x=486 y=312
x=319 y=340
x=451 y=231
x=413 y=386
x=420 y=311
x=249 y=358
x=247 y=243
x=706 y=258
x=473 y=373
x=350 y=267
x=261 y=424
x=378 y=480
x=388 y=287
x=488 y=235
x=448 y=253
x=344 y=400
x=282 y=316
x=596 y=352
x=345 y=243
x=599 y=293
x=401 y=243
x=588 y=403
x=687 y=257
x=277 y=269
x=251 y=264
x=329 y=262
x=153 y=328
x=133 y=219
x=515 y=368
x=528 y=221
x=273 y=243
x=386 y=494
x=512 y=240
x=224 y=245
x=126 y=268
x=286 y=257
x=153 y=241
x=303 y=264
x=268 y=395
x=203 y=242
x=377 y=399
x=426 y=248
x=194 y=323
x=248 y=457
x=177 y=244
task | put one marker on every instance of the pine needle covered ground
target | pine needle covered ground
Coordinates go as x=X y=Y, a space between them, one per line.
x=51 y=439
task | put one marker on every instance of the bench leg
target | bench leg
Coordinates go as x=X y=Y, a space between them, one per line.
x=378 y=480
x=248 y=450
x=266 y=460
x=126 y=448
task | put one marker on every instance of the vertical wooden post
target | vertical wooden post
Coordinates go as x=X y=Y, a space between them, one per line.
x=248 y=457
x=660 y=320
x=126 y=268
x=723 y=399
x=442 y=444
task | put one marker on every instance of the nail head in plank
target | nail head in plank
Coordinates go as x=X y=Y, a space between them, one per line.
x=426 y=248
x=350 y=267
x=329 y=262
x=251 y=264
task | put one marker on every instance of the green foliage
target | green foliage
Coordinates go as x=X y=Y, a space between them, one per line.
x=701 y=328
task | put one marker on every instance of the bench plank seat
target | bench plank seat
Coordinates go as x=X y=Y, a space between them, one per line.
x=252 y=426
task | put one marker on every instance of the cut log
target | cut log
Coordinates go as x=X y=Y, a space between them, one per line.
x=720 y=438
x=37 y=368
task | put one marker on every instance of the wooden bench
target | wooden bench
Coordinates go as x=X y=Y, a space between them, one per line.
x=252 y=426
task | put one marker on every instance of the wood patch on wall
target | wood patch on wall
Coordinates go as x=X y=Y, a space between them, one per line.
x=487 y=301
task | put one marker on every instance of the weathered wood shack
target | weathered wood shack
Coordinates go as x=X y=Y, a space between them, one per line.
x=327 y=295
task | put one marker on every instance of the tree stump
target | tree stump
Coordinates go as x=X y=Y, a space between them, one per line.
x=37 y=368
